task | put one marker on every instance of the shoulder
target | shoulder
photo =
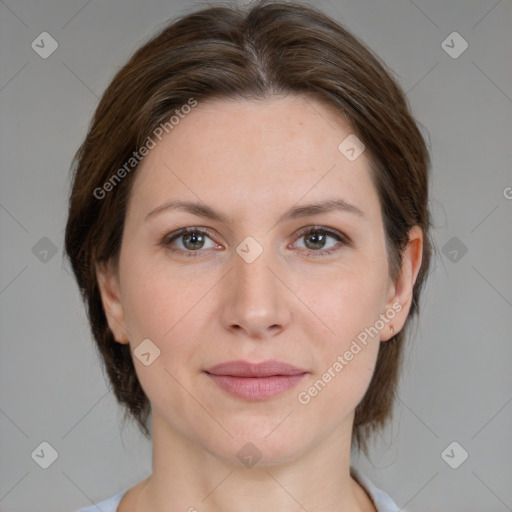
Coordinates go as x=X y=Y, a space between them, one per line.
x=381 y=500
x=108 y=505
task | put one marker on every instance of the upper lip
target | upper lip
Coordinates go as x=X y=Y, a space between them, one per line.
x=245 y=369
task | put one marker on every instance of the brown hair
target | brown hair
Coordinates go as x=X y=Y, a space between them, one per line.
x=270 y=48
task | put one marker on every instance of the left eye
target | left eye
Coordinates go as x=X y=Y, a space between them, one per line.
x=317 y=240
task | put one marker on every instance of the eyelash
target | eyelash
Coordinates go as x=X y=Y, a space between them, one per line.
x=342 y=239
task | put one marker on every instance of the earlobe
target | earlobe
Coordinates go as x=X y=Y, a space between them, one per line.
x=110 y=292
x=401 y=298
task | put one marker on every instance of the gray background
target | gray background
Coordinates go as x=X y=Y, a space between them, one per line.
x=457 y=380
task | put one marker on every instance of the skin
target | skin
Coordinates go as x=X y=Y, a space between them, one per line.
x=252 y=161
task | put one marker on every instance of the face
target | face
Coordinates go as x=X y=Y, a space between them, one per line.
x=260 y=275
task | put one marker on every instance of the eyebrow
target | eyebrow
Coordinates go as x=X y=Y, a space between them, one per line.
x=205 y=211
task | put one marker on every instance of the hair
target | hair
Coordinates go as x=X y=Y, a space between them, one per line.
x=264 y=50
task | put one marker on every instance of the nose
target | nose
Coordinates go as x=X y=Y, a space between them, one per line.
x=255 y=302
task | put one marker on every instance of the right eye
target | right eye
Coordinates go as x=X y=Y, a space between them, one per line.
x=189 y=241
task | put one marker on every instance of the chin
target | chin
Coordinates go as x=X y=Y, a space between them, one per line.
x=260 y=444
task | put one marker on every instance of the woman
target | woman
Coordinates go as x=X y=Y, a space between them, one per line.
x=249 y=229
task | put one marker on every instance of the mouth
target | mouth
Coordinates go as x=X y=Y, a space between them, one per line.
x=255 y=381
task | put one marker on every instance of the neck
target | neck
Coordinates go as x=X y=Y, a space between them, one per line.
x=189 y=477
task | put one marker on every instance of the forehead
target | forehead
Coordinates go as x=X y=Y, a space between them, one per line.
x=274 y=152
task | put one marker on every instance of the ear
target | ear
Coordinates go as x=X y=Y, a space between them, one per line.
x=108 y=282
x=399 y=297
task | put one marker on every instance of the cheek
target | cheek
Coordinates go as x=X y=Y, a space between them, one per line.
x=347 y=309
x=344 y=382
x=344 y=369
x=158 y=300
x=166 y=310
x=345 y=302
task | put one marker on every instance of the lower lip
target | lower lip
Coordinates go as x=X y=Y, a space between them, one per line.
x=256 y=388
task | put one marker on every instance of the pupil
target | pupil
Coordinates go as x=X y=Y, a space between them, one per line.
x=193 y=239
x=318 y=240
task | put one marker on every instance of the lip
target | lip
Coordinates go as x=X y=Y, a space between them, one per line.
x=252 y=381
x=242 y=368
